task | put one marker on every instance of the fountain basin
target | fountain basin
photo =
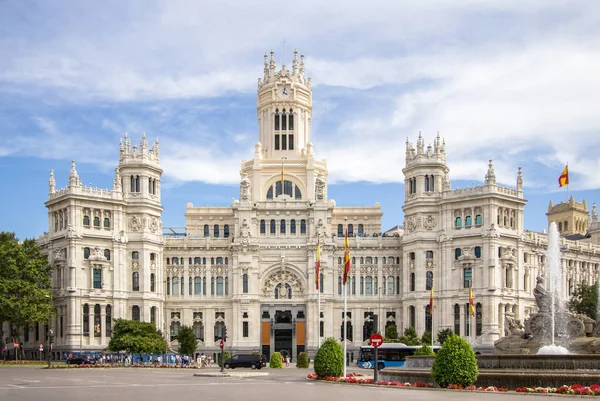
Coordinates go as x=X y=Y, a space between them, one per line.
x=519 y=362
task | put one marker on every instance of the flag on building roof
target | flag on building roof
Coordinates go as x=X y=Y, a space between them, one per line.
x=564 y=177
x=346 y=258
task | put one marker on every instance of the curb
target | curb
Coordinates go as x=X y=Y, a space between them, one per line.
x=227 y=374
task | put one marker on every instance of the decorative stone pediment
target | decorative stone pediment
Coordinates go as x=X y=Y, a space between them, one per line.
x=283 y=278
x=97 y=254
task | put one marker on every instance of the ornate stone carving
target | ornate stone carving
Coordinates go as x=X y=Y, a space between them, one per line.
x=245 y=232
x=368 y=269
x=58 y=255
x=219 y=270
x=429 y=222
x=153 y=225
x=135 y=223
x=97 y=254
x=321 y=231
x=245 y=188
x=283 y=278
x=320 y=187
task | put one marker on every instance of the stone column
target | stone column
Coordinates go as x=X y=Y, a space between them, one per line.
x=91 y=324
x=103 y=325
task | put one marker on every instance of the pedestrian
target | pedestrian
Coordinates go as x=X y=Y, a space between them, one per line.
x=282 y=359
x=287 y=361
x=202 y=360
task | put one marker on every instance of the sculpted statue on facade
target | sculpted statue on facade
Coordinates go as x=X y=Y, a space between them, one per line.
x=245 y=188
x=321 y=231
x=320 y=187
x=245 y=232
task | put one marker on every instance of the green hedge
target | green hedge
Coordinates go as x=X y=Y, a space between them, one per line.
x=455 y=363
x=329 y=360
x=275 y=361
x=302 y=360
x=425 y=350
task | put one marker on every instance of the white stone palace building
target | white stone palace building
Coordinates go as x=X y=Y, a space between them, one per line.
x=250 y=267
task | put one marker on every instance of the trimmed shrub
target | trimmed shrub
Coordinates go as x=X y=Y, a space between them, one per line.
x=425 y=350
x=426 y=337
x=302 y=360
x=391 y=332
x=255 y=353
x=226 y=355
x=329 y=360
x=410 y=337
x=455 y=363
x=275 y=361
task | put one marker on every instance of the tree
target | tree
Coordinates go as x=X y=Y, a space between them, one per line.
x=187 y=340
x=329 y=360
x=137 y=338
x=275 y=361
x=426 y=337
x=410 y=337
x=585 y=300
x=24 y=283
x=442 y=335
x=455 y=363
x=391 y=332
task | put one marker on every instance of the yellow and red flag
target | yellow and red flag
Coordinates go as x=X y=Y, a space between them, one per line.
x=318 y=265
x=471 y=301
x=431 y=300
x=346 y=258
x=281 y=177
x=564 y=177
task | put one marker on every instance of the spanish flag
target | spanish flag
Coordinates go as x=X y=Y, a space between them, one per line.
x=471 y=301
x=346 y=258
x=431 y=300
x=318 y=265
x=564 y=177
x=281 y=177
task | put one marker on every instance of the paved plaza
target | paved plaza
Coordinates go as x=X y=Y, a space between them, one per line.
x=36 y=384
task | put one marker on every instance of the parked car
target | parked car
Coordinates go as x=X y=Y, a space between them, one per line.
x=79 y=360
x=245 y=361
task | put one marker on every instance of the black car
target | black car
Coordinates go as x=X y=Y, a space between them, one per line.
x=79 y=360
x=245 y=361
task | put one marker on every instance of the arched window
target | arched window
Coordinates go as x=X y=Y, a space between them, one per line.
x=168 y=286
x=153 y=315
x=339 y=285
x=197 y=260
x=426 y=183
x=478 y=252
x=175 y=286
x=412 y=281
x=303 y=226
x=97 y=321
x=277 y=127
x=348 y=330
x=107 y=254
x=190 y=286
x=135 y=255
x=106 y=222
x=219 y=260
x=197 y=285
x=174 y=329
x=263 y=227
x=412 y=316
x=206 y=231
x=478 y=319
x=560 y=227
x=566 y=225
x=353 y=285
x=478 y=220
x=291 y=125
x=219 y=330
x=298 y=193
x=86 y=253
x=362 y=260
x=212 y=260
x=245 y=283
x=137 y=183
x=458 y=222
x=431 y=183
x=86 y=220
x=428 y=254
x=96 y=221
x=226 y=231
x=272 y=227
x=390 y=285
x=360 y=230
x=135 y=279
x=368 y=260
x=175 y=260
x=293 y=226
x=457 y=253
x=86 y=320
x=428 y=280
x=199 y=330
x=216 y=231
x=132 y=181
x=135 y=313
x=152 y=282
x=340 y=230
x=283 y=126
x=468 y=221
x=412 y=256
x=414 y=186
x=282 y=227
x=457 y=319
x=226 y=260
x=350 y=230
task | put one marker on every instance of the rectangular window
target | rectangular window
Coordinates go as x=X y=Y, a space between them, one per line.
x=277 y=141
x=321 y=329
x=245 y=329
x=284 y=121
x=283 y=142
x=468 y=277
x=219 y=285
x=98 y=278
x=245 y=283
x=291 y=142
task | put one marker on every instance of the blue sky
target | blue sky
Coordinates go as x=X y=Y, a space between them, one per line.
x=512 y=81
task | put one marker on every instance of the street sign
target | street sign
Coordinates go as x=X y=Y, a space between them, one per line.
x=15 y=345
x=41 y=347
x=376 y=340
x=221 y=344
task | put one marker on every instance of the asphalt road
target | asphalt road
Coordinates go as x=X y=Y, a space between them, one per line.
x=36 y=384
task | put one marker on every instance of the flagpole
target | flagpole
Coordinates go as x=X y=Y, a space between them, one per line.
x=567 y=181
x=431 y=313
x=345 y=325
x=319 y=310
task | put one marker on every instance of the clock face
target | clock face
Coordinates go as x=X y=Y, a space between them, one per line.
x=284 y=92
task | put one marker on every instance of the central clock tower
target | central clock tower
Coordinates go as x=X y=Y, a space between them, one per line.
x=284 y=108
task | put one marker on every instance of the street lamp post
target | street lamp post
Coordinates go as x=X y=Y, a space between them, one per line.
x=50 y=331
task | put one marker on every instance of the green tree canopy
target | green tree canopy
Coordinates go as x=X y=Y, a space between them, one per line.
x=585 y=300
x=442 y=335
x=391 y=332
x=136 y=337
x=187 y=340
x=410 y=337
x=426 y=337
x=24 y=282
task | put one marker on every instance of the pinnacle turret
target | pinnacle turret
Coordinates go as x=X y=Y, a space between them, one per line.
x=594 y=213
x=490 y=177
x=52 y=182
x=520 y=180
x=117 y=181
x=73 y=176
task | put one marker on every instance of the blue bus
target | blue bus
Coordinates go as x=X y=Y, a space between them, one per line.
x=388 y=354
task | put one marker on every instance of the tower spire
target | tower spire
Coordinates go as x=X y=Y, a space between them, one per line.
x=52 y=182
x=73 y=176
x=490 y=177
x=520 y=180
x=117 y=181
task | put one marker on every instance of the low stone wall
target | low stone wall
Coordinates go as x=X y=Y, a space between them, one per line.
x=501 y=378
x=519 y=362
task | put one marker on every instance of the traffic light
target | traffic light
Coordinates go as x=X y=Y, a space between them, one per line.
x=225 y=333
